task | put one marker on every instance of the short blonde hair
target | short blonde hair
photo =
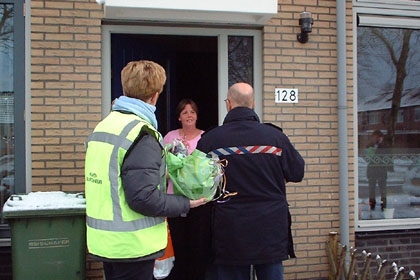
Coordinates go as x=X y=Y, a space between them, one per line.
x=142 y=79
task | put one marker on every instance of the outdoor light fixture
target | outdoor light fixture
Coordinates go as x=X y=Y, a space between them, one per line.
x=305 y=22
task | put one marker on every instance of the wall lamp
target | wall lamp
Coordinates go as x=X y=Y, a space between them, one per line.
x=305 y=22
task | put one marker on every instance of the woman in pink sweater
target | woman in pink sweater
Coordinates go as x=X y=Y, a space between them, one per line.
x=190 y=234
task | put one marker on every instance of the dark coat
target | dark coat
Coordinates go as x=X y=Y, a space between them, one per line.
x=253 y=227
x=379 y=161
x=140 y=174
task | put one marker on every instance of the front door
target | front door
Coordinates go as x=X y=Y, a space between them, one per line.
x=191 y=67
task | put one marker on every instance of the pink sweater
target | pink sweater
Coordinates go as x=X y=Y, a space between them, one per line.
x=192 y=144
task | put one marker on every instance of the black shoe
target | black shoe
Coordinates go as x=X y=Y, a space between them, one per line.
x=372 y=204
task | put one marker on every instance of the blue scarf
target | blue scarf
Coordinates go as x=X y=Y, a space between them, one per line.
x=136 y=106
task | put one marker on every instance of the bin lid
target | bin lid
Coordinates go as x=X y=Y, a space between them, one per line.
x=54 y=203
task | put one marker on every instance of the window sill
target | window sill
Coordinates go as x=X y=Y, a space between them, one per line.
x=387 y=224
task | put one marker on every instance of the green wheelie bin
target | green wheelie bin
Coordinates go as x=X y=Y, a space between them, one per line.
x=48 y=235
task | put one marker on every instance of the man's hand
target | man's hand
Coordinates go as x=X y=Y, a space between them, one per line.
x=198 y=202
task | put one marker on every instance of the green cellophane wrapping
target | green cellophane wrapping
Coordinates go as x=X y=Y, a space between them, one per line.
x=195 y=175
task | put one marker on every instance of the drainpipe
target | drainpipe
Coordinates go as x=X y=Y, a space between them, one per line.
x=342 y=122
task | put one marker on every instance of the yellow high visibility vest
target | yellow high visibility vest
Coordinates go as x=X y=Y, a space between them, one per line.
x=114 y=230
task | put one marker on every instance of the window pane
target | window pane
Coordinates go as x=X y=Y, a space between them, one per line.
x=240 y=59
x=7 y=166
x=417 y=114
x=388 y=128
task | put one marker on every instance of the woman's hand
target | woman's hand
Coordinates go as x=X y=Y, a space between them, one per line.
x=197 y=202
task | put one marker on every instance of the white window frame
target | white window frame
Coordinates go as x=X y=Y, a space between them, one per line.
x=221 y=34
x=380 y=13
x=387 y=4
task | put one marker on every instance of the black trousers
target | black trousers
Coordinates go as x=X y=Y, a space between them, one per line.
x=141 y=270
x=191 y=238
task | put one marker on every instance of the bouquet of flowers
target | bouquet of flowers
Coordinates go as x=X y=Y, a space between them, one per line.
x=195 y=175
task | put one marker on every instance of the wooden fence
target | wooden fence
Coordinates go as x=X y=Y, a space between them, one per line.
x=360 y=267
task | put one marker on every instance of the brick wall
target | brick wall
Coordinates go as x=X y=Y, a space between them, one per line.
x=65 y=93
x=399 y=246
x=93 y=270
x=311 y=124
x=65 y=89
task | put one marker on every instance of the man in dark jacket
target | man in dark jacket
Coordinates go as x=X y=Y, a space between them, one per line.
x=253 y=226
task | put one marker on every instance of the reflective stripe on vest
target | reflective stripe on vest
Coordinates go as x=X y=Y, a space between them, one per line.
x=244 y=150
x=117 y=224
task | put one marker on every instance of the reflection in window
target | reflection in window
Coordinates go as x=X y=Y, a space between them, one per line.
x=400 y=117
x=389 y=147
x=417 y=114
x=373 y=117
x=240 y=59
x=7 y=169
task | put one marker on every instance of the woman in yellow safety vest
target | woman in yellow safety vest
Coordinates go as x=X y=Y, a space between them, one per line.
x=126 y=200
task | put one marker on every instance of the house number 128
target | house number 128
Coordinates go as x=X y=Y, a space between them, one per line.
x=286 y=95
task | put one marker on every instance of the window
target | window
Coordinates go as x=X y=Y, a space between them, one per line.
x=12 y=129
x=373 y=117
x=7 y=161
x=241 y=59
x=388 y=90
x=400 y=117
x=417 y=114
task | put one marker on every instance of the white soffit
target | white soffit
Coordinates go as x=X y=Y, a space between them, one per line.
x=216 y=11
